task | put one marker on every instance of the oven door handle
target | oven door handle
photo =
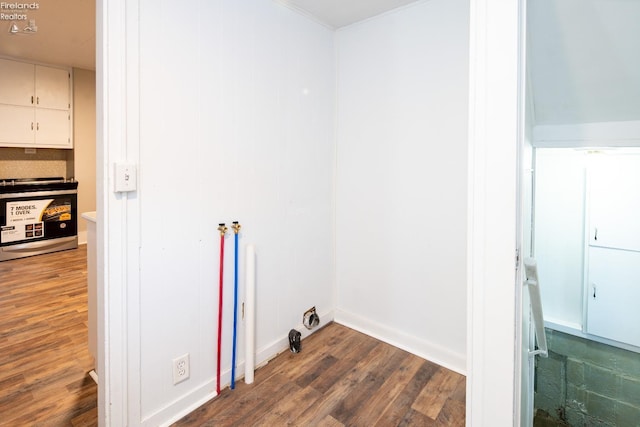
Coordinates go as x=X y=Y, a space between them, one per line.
x=29 y=246
x=38 y=194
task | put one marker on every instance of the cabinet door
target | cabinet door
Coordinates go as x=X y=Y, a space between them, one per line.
x=17 y=126
x=16 y=83
x=53 y=128
x=52 y=88
x=614 y=294
x=614 y=202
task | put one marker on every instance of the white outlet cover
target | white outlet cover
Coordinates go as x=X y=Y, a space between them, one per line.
x=181 y=370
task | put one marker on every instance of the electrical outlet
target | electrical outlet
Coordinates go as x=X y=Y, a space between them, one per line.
x=180 y=368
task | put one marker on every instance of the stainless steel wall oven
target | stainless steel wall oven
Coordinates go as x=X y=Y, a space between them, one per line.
x=37 y=215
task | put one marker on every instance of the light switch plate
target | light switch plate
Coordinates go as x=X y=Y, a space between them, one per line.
x=125 y=177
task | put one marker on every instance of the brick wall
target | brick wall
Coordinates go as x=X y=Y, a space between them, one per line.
x=587 y=383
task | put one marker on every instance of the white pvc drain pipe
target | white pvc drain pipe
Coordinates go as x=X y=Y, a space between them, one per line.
x=250 y=316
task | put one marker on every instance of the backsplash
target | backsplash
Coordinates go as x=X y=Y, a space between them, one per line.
x=45 y=162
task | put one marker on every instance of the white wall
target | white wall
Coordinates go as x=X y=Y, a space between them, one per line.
x=401 y=178
x=84 y=140
x=559 y=233
x=236 y=123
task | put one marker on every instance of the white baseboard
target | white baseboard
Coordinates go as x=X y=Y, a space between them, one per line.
x=422 y=348
x=276 y=347
x=183 y=406
x=204 y=393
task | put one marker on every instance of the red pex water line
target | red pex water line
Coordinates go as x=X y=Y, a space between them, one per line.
x=223 y=229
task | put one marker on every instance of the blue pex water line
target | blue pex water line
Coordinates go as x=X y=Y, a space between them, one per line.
x=235 y=312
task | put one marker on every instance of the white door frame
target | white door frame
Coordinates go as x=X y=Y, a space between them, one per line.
x=117 y=79
x=493 y=309
x=492 y=300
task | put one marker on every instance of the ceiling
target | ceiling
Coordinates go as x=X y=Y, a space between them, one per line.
x=583 y=55
x=66 y=34
x=584 y=60
x=340 y=13
x=66 y=28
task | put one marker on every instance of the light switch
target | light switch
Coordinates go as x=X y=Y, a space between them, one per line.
x=126 y=174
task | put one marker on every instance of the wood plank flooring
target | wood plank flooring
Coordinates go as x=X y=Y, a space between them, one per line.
x=44 y=356
x=340 y=378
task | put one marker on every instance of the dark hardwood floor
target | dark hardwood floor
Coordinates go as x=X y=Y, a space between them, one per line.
x=44 y=357
x=340 y=378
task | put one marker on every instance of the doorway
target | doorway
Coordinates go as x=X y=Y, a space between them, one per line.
x=581 y=130
x=63 y=36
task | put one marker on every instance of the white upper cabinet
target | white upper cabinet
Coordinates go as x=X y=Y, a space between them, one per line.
x=52 y=88
x=614 y=202
x=35 y=105
x=16 y=83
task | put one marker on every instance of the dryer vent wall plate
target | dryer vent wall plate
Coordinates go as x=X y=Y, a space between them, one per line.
x=310 y=318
